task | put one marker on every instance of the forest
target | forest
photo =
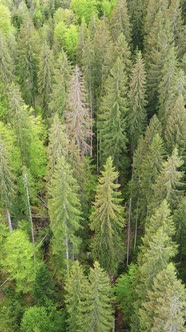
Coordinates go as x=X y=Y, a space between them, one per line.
x=92 y=165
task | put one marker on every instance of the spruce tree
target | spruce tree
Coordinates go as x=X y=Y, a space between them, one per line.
x=77 y=116
x=27 y=61
x=65 y=214
x=157 y=250
x=45 y=78
x=137 y=101
x=58 y=144
x=6 y=180
x=76 y=287
x=164 y=309
x=6 y=63
x=107 y=220
x=120 y=21
x=96 y=307
x=60 y=87
x=112 y=116
x=169 y=183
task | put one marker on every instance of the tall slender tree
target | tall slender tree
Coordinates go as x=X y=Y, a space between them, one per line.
x=137 y=101
x=65 y=214
x=107 y=220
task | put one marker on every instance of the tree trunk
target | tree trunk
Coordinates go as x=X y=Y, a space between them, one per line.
x=9 y=220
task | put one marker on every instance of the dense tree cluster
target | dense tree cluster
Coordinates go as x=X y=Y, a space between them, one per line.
x=92 y=165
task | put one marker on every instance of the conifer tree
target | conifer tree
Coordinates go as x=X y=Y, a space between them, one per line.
x=65 y=214
x=19 y=117
x=58 y=144
x=76 y=286
x=156 y=252
x=175 y=131
x=112 y=117
x=27 y=61
x=120 y=21
x=45 y=77
x=164 y=309
x=107 y=220
x=6 y=181
x=60 y=88
x=77 y=116
x=96 y=309
x=122 y=50
x=137 y=100
x=169 y=183
x=136 y=13
x=6 y=63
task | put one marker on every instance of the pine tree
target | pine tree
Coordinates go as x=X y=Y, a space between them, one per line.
x=96 y=309
x=65 y=214
x=137 y=100
x=76 y=286
x=136 y=13
x=164 y=309
x=77 y=116
x=107 y=220
x=112 y=117
x=60 y=88
x=45 y=77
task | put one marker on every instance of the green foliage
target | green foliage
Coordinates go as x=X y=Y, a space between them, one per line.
x=124 y=290
x=107 y=220
x=65 y=214
x=164 y=309
x=18 y=262
x=5 y=20
x=112 y=117
x=84 y=9
x=96 y=308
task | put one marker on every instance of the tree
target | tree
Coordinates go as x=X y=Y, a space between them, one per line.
x=169 y=182
x=60 y=88
x=45 y=77
x=18 y=261
x=84 y=9
x=77 y=116
x=164 y=309
x=58 y=144
x=6 y=180
x=96 y=308
x=27 y=61
x=65 y=214
x=137 y=101
x=156 y=252
x=120 y=21
x=136 y=13
x=6 y=63
x=112 y=117
x=107 y=220
x=175 y=131
x=76 y=287
x=122 y=50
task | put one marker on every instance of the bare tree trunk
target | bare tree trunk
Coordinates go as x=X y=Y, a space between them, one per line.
x=67 y=253
x=128 y=232
x=9 y=220
x=136 y=226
